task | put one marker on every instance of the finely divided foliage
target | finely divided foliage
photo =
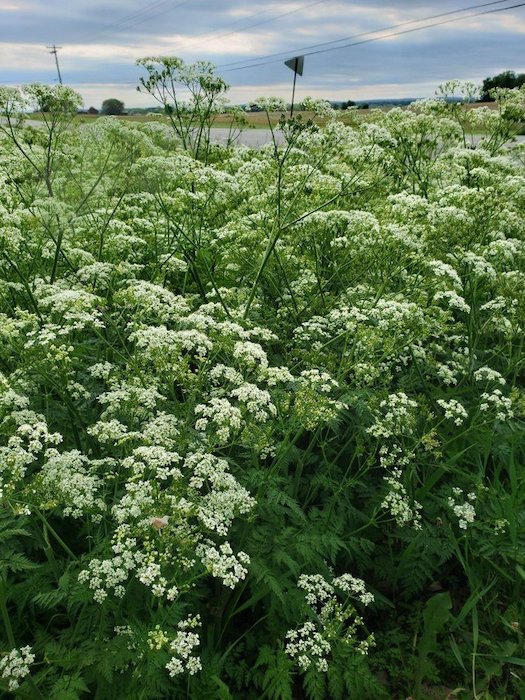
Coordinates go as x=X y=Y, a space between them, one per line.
x=261 y=411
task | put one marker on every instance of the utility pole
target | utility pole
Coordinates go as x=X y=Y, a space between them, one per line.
x=54 y=50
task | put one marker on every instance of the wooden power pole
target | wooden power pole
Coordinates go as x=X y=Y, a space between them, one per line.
x=54 y=50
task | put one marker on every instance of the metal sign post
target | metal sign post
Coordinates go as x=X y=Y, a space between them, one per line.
x=296 y=64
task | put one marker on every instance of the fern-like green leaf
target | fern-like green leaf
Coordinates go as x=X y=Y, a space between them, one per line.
x=314 y=683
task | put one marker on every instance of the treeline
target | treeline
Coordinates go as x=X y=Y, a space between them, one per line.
x=507 y=79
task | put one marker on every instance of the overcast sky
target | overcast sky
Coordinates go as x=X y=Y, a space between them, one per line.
x=102 y=39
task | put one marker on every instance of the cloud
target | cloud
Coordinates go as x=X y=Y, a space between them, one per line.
x=103 y=38
x=12 y=6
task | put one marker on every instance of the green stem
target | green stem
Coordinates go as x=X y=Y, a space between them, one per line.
x=55 y=535
x=5 y=616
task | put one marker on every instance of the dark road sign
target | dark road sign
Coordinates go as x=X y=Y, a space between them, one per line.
x=296 y=64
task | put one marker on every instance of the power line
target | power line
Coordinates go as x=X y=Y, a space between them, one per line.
x=379 y=38
x=258 y=24
x=415 y=29
x=133 y=18
x=209 y=34
x=54 y=50
x=374 y=31
x=364 y=41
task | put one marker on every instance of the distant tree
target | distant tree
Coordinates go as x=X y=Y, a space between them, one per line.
x=507 y=79
x=112 y=106
x=347 y=104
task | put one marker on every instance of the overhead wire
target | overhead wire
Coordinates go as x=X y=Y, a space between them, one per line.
x=209 y=34
x=325 y=47
x=371 y=31
x=131 y=20
x=123 y=18
x=262 y=61
x=384 y=36
x=258 y=24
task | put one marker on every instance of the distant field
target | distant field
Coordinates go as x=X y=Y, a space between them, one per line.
x=259 y=120
x=255 y=120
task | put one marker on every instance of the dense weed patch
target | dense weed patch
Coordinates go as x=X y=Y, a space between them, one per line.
x=262 y=412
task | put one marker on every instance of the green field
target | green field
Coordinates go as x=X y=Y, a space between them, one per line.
x=259 y=120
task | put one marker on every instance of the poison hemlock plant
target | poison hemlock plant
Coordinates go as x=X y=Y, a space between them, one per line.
x=261 y=411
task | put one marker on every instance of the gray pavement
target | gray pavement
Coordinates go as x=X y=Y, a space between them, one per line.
x=254 y=138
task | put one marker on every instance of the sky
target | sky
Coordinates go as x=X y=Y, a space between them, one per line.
x=248 y=42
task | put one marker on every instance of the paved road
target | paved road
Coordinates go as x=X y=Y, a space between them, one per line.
x=254 y=138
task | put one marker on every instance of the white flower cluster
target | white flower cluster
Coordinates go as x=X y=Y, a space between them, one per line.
x=129 y=397
x=354 y=587
x=250 y=354
x=160 y=461
x=478 y=265
x=495 y=401
x=150 y=301
x=462 y=509
x=315 y=332
x=500 y=525
x=150 y=574
x=319 y=590
x=277 y=375
x=396 y=417
x=313 y=403
x=162 y=345
x=318 y=106
x=223 y=496
x=258 y=402
x=97 y=274
x=502 y=316
x=74 y=308
x=112 y=574
x=221 y=562
x=393 y=314
x=28 y=439
x=445 y=272
x=271 y=104
x=453 y=300
x=335 y=620
x=318 y=380
x=394 y=455
x=67 y=481
x=224 y=418
x=307 y=646
x=14 y=666
x=454 y=410
x=487 y=374
x=230 y=375
x=182 y=648
x=137 y=501
x=181 y=500
x=397 y=503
